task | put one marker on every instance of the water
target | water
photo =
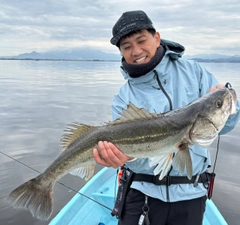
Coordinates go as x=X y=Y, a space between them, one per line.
x=39 y=98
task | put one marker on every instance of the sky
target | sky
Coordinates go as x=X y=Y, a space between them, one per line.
x=203 y=27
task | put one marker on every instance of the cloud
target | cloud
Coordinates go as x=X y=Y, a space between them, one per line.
x=50 y=24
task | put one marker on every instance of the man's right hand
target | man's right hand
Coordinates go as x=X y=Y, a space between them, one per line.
x=107 y=154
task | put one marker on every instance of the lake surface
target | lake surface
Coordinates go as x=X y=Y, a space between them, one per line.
x=39 y=98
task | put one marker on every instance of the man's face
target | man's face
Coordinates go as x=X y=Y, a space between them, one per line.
x=139 y=48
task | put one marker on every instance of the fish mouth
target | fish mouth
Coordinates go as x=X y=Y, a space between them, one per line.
x=203 y=140
x=233 y=99
x=211 y=122
x=233 y=102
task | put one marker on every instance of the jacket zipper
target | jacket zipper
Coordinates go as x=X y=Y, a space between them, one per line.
x=171 y=107
x=163 y=90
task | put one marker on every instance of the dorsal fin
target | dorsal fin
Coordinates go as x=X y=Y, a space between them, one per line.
x=133 y=113
x=72 y=132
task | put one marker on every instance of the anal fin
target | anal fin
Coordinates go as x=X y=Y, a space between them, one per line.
x=84 y=172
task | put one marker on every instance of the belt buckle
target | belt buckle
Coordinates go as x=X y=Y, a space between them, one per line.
x=195 y=183
x=168 y=180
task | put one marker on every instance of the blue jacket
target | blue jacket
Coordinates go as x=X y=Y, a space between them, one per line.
x=183 y=82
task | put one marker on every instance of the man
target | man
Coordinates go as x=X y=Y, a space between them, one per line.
x=158 y=80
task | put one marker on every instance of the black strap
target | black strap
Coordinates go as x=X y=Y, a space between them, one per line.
x=125 y=182
x=169 y=180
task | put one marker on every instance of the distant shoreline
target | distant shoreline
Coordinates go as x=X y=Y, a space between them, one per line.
x=100 y=60
x=84 y=60
x=224 y=60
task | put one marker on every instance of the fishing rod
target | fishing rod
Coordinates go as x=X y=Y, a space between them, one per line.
x=68 y=187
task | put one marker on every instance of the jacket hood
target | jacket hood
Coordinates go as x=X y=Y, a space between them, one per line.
x=173 y=50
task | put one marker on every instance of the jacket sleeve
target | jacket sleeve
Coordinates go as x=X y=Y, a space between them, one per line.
x=117 y=106
x=232 y=121
x=140 y=165
x=206 y=79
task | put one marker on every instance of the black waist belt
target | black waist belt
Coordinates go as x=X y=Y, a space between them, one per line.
x=168 y=180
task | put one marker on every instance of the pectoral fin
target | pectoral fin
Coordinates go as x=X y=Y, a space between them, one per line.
x=183 y=160
x=84 y=172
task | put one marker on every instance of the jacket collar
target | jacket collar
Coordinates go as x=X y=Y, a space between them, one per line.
x=173 y=51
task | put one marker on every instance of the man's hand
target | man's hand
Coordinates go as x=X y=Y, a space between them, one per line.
x=216 y=87
x=109 y=155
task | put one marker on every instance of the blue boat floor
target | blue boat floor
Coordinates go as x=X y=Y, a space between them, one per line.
x=81 y=210
x=102 y=189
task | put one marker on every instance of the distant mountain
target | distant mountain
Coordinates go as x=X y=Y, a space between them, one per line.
x=205 y=56
x=93 y=54
x=33 y=55
x=214 y=58
x=75 y=54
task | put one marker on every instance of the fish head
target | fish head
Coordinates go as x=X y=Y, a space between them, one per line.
x=214 y=110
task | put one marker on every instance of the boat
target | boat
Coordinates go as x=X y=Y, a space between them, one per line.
x=93 y=204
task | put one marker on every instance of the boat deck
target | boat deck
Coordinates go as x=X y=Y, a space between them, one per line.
x=101 y=188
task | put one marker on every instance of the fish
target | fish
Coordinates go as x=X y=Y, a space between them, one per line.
x=164 y=138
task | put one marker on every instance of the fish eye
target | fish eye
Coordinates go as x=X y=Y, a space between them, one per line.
x=218 y=103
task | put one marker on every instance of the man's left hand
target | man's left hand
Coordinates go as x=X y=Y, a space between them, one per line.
x=216 y=87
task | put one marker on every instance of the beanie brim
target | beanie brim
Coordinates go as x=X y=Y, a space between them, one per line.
x=117 y=38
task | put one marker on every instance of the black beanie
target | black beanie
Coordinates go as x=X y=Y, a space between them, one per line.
x=129 y=22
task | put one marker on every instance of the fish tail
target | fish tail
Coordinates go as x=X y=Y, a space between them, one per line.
x=34 y=197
